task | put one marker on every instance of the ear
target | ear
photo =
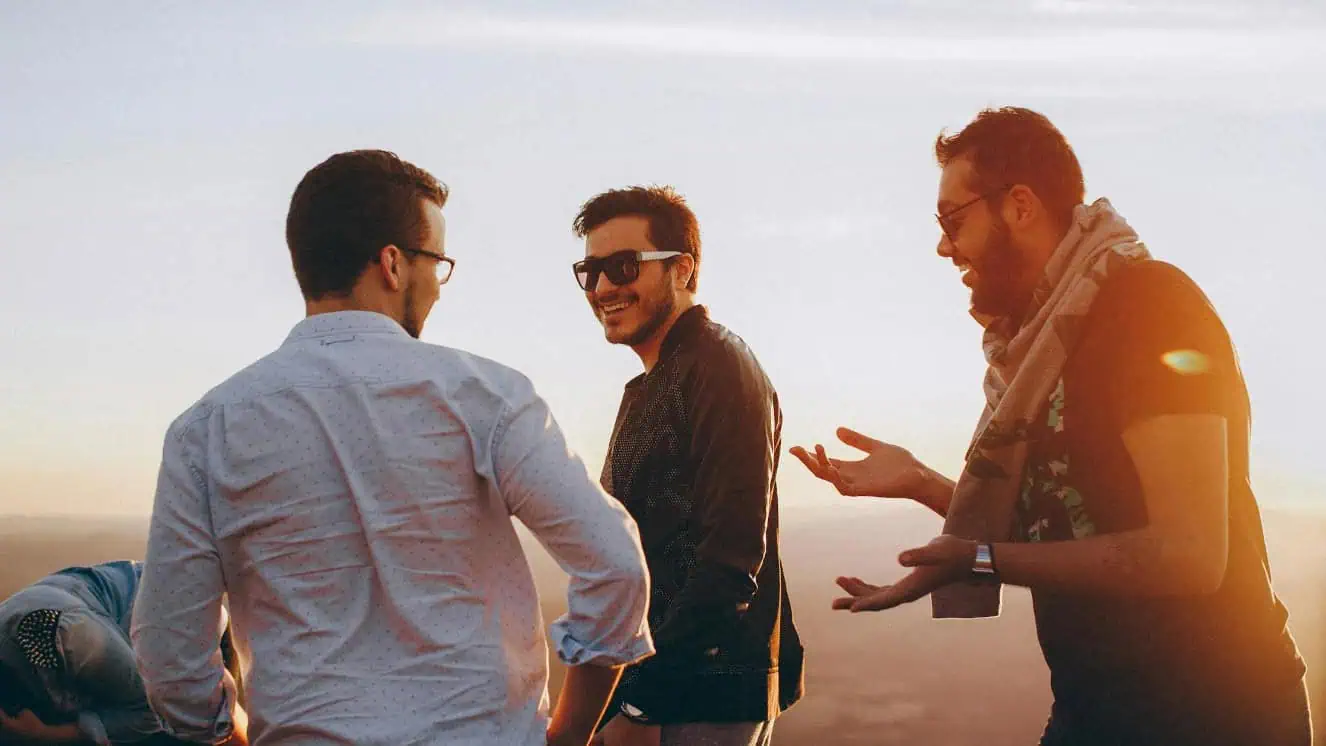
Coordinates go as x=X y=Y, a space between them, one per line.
x=1022 y=207
x=685 y=269
x=391 y=265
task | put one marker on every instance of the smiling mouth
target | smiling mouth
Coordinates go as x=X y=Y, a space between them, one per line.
x=614 y=309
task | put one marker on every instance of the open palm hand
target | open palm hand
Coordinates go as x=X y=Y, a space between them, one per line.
x=886 y=471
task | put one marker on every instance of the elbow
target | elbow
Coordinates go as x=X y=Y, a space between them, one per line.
x=628 y=572
x=627 y=575
x=1207 y=566
x=624 y=566
x=1209 y=576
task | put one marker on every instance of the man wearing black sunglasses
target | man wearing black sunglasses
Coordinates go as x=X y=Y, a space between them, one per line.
x=693 y=457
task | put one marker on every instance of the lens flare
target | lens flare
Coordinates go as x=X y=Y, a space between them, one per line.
x=1186 y=362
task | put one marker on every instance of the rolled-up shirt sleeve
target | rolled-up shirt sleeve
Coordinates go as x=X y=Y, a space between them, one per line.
x=547 y=487
x=178 y=617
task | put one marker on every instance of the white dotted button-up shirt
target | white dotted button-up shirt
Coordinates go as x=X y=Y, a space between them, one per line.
x=352 y=495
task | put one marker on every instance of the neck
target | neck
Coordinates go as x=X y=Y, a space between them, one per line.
x=352 y=302
x=649 y=349
x=1037 y=255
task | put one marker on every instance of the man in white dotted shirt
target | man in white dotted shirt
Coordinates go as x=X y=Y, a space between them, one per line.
x=352 y=494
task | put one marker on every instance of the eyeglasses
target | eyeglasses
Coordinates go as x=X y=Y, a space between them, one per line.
x=946 y=222
x=445 y=264
x=621 y=268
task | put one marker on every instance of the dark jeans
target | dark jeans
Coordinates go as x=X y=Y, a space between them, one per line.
x=1288 y=723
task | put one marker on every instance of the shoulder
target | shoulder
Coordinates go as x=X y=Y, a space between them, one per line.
x=1154 y=344
x=1151 y=303
x=1151 y=287
x=241 y=385
x=467 y=373
x=487 y=396
x=726 y=365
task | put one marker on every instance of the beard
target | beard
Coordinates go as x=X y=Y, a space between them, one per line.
x=658 y=312
x=999 y=290
x=655 y=305
x=411 y=319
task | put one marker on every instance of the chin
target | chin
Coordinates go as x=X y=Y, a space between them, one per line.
x=987 y=306
x=616 y=335
x=619 y=331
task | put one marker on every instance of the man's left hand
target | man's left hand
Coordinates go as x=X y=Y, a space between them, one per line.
x=944 y=560
x=622 y=732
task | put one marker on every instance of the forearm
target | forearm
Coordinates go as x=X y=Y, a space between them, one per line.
x=585 y=695
x=195 y=698
x=1132 y=563
x=175 y=632
x=608 y=595
x=179 y=657
x=178 y=616
x=937 y=494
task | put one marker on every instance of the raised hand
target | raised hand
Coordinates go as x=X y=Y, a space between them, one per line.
x=886 y=471
x=944 y=560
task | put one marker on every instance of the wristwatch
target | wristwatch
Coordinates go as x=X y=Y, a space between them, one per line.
x=635 y=714
x=984 y=564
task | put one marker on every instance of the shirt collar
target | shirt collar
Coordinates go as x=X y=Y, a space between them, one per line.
x=345 y=322
x=684 y=330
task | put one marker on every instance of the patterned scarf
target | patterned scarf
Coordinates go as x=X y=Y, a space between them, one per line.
x=1025 y=365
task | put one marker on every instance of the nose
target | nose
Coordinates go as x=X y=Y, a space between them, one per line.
x=603 y=286
x=945 y=248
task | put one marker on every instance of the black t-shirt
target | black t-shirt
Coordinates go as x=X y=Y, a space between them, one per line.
x=1152 y=670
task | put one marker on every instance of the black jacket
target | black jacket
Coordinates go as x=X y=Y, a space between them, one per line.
x=693 y=457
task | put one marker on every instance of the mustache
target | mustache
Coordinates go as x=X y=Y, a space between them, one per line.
x=617 y=296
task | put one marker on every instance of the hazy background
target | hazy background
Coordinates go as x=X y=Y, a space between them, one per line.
x=886 y=679
x=148 y=151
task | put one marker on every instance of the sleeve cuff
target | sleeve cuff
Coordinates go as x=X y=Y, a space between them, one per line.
x=216 y=731
x=573 y=652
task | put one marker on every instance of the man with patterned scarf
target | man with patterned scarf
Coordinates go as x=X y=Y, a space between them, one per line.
x=1109 y=469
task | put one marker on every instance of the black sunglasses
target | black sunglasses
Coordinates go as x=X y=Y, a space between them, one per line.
x=621 y=268
x=445 y=264
x=945 y=220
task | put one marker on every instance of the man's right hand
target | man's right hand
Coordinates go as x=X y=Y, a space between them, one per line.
x=581 y=704
x=886 y=471
x=239 y=734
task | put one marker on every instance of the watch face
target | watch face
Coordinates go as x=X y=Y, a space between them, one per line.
x=632 y=710
x=984 y=562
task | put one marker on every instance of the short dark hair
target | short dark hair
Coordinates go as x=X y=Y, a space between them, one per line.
x=672 y=225
x=347 y=208
x=1011 y=146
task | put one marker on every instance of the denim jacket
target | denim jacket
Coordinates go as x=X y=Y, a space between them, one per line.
x=94 y=680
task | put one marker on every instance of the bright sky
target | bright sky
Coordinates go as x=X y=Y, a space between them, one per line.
x=148 y=152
